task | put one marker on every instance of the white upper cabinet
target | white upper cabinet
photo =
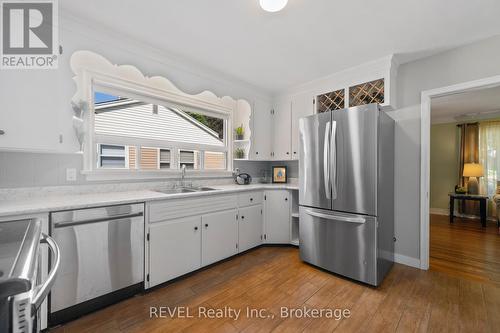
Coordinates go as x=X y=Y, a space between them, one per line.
x=282 y=143
x=261 y=131
x=302 y=106
x=30 y=114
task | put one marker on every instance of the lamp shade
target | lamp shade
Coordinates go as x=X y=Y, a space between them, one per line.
x=473 y=170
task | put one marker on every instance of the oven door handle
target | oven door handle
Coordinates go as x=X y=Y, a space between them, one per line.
x=43 y=290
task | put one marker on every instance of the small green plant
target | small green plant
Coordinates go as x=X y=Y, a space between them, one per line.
x=240 y=132
x=239 y=153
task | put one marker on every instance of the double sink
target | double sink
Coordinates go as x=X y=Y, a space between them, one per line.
x=186 y=190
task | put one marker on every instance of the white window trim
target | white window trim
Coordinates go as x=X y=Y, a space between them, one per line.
x=159 y=157
x=99 y=155
x=93 y=70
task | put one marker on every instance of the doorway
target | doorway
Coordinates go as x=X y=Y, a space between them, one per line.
x=459 y=128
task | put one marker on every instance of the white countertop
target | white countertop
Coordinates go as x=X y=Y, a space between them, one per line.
x=51 y=203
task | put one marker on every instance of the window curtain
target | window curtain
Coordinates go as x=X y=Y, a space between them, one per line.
x=489 y=156
x=468 y=153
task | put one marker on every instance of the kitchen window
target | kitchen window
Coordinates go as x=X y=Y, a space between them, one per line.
x=143 y=134
x=189 y=158
x=112 y=156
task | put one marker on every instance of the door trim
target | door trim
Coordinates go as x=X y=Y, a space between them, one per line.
x=425 y=128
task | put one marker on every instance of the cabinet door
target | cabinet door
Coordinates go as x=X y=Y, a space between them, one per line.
x=302 y=106
x=277 y=222
x=250 y=227
x=219 y=238
x=261 y=131
x=282 y=131
x=174 y=248
x=32 y=123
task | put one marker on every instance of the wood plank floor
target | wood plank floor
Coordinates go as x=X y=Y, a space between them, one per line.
x=408 y=300
x=465 y=249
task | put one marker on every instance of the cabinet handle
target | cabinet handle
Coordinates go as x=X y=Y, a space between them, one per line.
x=288 y=153
x=206 y=225
x=294 y=152
x=2 y=132
x=256 y=153
x=251 y=199
x=242 y=217
x=195 y=228
x=286 y=199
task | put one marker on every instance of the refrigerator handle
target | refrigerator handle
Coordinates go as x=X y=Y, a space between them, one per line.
x=359 y=220
x=333 y=162
x=326 y=161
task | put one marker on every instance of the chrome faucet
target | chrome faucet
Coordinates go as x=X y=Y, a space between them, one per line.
x=183 y=175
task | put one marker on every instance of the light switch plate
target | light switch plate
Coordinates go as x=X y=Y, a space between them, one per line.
x=71 y=174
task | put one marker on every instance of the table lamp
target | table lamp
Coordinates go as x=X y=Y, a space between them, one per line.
x=473 y=170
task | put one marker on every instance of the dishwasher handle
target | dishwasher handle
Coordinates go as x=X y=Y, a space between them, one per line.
x=42 y=291
x=98 y=220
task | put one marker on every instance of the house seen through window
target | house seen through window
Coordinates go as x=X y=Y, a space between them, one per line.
x=136 y=135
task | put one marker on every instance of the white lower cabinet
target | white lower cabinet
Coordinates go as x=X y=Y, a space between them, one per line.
x=221 y=227
x=277 y=219
x=250 y=227
x=219 y=238
x=175 y=248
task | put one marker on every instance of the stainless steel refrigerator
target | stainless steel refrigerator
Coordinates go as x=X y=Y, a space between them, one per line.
x=346 y=192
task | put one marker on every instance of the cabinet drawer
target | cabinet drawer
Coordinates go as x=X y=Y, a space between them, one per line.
x=250 y=198
x=176 y=208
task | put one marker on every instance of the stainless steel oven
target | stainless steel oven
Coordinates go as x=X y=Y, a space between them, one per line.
x=22 y=290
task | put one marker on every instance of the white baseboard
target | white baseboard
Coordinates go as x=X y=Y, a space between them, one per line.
x=439 y=211
x=405 y=260
x=446 y=212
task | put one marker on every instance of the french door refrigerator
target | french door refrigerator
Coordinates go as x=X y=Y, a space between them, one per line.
x=346 y=192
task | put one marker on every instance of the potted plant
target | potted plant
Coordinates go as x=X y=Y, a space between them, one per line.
x=239 y=153
x=240 y=132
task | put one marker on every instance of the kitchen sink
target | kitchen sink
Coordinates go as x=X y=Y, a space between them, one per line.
x=185 y=190
x=177 y=190
x=203 y=189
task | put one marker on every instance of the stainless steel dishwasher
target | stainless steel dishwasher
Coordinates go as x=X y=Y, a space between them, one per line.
x=102 y=258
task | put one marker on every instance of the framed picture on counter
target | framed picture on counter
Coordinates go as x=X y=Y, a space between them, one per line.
x=280 y=174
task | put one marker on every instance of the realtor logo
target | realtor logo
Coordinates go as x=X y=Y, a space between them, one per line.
x=29 y=34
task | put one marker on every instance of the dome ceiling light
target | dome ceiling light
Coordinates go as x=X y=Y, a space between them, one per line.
x=273 y=5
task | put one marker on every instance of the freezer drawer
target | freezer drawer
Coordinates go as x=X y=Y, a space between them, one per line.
x=342 y=243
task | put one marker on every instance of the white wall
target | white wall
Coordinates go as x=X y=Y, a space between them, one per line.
x=43 y=96
x=470 y=62
x=466 y=63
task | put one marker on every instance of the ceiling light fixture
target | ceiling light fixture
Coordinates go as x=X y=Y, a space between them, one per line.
x=273 y=5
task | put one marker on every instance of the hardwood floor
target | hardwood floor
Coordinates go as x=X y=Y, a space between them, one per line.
x=272 y=277
x=465 y=249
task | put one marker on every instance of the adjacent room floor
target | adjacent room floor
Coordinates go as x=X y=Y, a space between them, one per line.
x=272 y=277
x=465 y=249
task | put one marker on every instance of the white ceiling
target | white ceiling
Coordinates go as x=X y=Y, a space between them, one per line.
x=307 y=40
x=472 y=105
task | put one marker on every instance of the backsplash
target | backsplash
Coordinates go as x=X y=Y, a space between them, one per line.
x=21 y=170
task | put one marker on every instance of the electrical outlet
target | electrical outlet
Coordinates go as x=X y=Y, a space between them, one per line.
x=71 y=175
